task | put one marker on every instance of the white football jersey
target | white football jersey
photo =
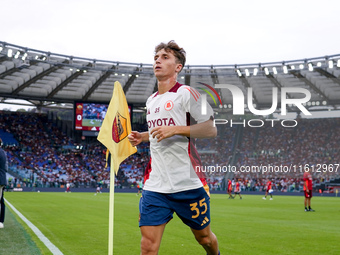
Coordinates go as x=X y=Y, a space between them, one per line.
x=173 y=160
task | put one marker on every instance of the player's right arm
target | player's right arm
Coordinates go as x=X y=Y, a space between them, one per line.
x=136 y=138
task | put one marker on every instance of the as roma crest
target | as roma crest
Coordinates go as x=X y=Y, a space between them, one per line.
x=119 y=128
x=168 y=105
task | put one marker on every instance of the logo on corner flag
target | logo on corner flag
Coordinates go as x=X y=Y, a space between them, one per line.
x=119 y=128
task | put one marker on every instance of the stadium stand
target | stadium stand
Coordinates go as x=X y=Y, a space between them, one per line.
x=43 y=77
x=45 y=157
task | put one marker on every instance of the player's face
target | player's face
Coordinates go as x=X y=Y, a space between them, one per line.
x=165 y=65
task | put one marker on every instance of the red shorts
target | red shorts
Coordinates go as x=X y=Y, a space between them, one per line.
x=308 y=194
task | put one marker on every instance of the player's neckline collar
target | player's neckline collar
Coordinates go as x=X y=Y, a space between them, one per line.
x=172 y=89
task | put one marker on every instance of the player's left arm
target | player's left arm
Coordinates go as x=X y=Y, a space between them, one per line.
x=205 y=129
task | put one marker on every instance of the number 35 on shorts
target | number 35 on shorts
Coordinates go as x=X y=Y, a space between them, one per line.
x=201 y=209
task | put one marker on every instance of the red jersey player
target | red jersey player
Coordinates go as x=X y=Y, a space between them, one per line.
x=307 y=187
x=269 y=190
x=230 y=189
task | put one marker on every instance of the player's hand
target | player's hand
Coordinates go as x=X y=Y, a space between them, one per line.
x=162 y=132
x=135 y=138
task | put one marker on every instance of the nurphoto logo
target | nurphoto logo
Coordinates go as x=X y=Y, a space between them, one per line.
x=239 y=106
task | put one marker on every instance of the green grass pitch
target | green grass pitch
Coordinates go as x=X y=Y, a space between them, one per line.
x=92 y=122
x=77 y=223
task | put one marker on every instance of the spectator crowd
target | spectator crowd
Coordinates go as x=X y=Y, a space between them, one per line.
x=44 y=156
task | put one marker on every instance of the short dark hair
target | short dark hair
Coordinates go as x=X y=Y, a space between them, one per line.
x=173 y=47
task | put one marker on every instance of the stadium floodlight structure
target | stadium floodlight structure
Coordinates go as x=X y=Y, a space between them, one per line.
x=42 y=77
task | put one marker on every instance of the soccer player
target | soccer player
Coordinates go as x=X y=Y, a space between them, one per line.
x=98 y=190
x=139 y=187
x=237 y=189
x=230 y=189
x=3 y=182
x=68 y=187
x=269 y=190
x=308 y=187
x=170 y=182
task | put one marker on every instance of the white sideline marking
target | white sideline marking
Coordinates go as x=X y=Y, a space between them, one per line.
x=41 y=236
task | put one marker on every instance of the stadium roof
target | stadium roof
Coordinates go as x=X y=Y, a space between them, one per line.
x=43 y=78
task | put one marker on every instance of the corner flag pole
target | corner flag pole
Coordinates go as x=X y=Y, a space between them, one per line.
x=111 y=208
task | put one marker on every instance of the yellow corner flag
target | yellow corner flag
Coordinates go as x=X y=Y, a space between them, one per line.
x=116 y=127
x=113 y=135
